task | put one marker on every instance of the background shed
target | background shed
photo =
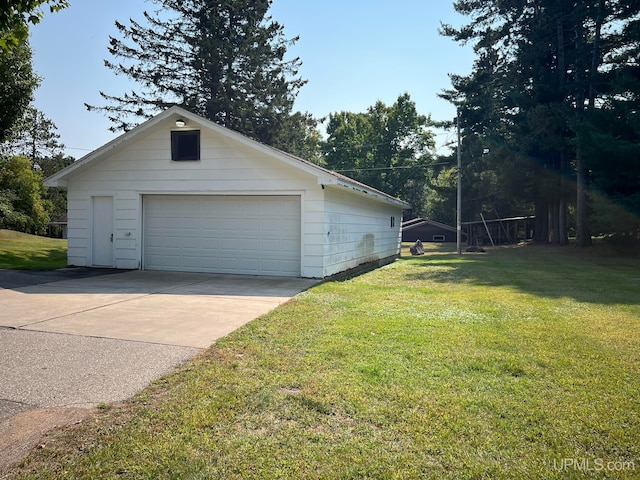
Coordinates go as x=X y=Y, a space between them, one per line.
x=427 y=231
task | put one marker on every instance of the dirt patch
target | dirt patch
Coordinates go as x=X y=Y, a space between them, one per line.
x=21 y=433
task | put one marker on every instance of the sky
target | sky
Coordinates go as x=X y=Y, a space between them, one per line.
x=354 y=53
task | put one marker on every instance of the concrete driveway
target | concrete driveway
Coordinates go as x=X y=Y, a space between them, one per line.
x=168 y=308
x=84 y=337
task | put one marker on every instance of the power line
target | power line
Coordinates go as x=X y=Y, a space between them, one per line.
x=76 y=148
x=391 y=168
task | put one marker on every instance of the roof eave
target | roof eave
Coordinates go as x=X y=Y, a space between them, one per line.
x=59 y=179
x=323 y=176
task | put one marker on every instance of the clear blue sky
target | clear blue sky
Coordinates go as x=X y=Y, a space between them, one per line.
x=354 y=52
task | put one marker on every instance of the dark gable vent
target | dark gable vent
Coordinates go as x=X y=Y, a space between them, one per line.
x=185 y=145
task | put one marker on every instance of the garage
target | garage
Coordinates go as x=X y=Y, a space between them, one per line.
x=243 y=234
x=222 y=204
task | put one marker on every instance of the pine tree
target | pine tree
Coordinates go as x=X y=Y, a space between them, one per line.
x=224 y=60
x=36 y=137
x=540 y=75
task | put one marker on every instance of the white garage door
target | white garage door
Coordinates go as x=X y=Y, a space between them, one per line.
x=254 y=235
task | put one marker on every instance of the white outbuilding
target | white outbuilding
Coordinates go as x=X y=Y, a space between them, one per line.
x=181 y=193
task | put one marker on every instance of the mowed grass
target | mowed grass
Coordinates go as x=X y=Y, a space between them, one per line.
x=518 y=363
x=30 y=252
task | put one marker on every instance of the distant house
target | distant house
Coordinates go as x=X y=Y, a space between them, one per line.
x=428 y=231
x=182 y=193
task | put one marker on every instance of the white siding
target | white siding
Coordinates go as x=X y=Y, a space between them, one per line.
x=358 y=230
x=144 y=167
x=340 y=229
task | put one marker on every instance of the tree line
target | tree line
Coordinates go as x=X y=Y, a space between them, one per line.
x=548 y=114
x=30 y=148
x=554 y=96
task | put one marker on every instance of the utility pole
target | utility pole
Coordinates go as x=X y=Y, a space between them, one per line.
x=459 y=199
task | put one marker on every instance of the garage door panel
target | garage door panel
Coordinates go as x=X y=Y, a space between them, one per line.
x=171 y=261
x=190 y=262
x=269 y=226
x=246 y=234
x=290 y=264
x=288 y=245
x=231 y=224
x=270 y=265
x=190 y=223
x=272 y=246
x=247 y=245
x=230 y=264
x=210 y=223
x=191 y=242
x=172 y=242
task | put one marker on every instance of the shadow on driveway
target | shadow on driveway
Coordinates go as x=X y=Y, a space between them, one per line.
x=25 y=278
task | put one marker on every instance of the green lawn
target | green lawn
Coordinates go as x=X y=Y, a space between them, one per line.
x=24 y=251
x=523 y=362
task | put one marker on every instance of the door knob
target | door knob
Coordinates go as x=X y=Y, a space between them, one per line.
x=111 y=239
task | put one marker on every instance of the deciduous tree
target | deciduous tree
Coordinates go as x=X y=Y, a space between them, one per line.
x=17 y=84
x=35 y=137
x=387 y=147
x=22 y=203
x=15 y=15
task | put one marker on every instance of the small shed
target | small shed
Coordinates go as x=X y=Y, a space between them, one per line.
x=427 y=231
x=500 y=231
x=57 y=228
x=182 y=193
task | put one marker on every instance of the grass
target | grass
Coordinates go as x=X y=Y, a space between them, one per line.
x=29 y=252
x=518 y=363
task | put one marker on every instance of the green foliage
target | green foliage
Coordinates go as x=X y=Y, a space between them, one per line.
x=440 y=193
x=24 y=207
x=18 y=83
x=56 y=196
x=298 y=135
x=35 y=136
x=387 y=147
x=555 y=86
x=15 y=15
x=9 y=216
x=224 y=60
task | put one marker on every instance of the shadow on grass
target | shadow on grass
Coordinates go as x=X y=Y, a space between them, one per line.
x=50 y=260
x=553 y=272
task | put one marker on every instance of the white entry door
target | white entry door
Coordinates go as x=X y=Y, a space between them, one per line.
x=102 y=232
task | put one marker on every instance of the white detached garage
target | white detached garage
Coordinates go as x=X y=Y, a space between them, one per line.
x=181 y=193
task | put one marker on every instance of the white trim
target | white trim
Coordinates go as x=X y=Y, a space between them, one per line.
x=222 y=193
x=324 y=176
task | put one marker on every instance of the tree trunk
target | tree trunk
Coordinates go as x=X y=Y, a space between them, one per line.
x=541 y=230
x=583 y=235
x=563 y=228
x=554 y=222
